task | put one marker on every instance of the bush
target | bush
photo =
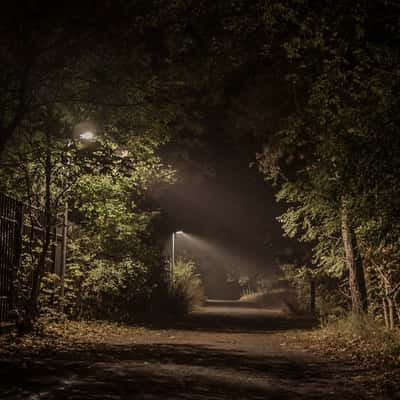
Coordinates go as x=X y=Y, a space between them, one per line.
x=366 y=327
x=128 y=291
x=108 y=290
x=186 y=290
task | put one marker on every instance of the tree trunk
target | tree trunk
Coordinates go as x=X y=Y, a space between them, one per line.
x=32 y=310
x=3 y=140
x=390 y=306
x=385 y=312
x=391 y=313
x=393 y=296
x=358 y=291
x=312 y=296
x=396 y=310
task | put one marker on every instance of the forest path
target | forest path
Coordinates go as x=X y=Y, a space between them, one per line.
x=226 y=350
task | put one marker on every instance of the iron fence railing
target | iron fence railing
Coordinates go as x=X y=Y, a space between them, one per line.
x=11 y=225
x=17 y=221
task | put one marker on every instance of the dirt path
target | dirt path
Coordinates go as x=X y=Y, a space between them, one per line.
x=223 y=351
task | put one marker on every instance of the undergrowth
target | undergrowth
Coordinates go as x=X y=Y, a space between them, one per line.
x=368 y=339
x=186 y=289
x=366 y=343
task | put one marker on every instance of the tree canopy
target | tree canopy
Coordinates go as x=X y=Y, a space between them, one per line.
x=312 y=87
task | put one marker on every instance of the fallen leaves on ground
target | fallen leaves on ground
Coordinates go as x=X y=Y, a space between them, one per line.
x=379 y=364
x=64 y=336
x=379 y=368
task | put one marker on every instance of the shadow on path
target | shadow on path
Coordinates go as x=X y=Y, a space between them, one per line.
x=238 y=317
x=160 y=371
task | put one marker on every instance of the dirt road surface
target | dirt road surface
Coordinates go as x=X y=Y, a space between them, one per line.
x=225 y=350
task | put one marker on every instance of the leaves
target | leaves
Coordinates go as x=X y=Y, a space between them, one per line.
x=341 y=138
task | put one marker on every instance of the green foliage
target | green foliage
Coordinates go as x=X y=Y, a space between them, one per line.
x=186 y=289
x=50 y=294
x=340 y=143
x=105 y=185
x=113 y=267
x=116 y=291
x=24 y=165
x=299 y=278
x=110 y=283
x=316 y=84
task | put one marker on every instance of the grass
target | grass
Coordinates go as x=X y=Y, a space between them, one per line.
x=366 y=343
x=276 y=298
x=368 y=339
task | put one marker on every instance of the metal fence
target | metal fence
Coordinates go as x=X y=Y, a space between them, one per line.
x=15 y=222
x=11 y=226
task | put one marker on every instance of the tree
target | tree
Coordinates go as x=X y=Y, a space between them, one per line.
x=82 y=60
x=344 y=121
x=113 y=267
x=316 y=87
x=33 y=170
x=45 y=167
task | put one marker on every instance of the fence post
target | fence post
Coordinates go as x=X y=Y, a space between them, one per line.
x=19 y=233
x=11 y=229
x=63 y=255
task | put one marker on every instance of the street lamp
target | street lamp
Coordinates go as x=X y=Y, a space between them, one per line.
x=173 y=251
x=87 y=136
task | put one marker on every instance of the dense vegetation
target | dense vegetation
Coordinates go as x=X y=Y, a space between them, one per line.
x=63 y=79
x=336 y=159
x=314 y=88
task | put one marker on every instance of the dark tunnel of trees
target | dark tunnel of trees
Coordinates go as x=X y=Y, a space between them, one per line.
x=91 y=97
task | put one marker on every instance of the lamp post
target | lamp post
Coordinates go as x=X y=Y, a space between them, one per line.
x=87 y=136
x=173 y=252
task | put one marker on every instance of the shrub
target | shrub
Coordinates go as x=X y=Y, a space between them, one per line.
x=108 y=290
x=186 y=290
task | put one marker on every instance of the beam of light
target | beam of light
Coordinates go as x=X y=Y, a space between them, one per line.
x=209 y=253
x=221 y=267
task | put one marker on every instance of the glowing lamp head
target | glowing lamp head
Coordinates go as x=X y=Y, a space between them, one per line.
x=179 y=232
x=87 y=136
